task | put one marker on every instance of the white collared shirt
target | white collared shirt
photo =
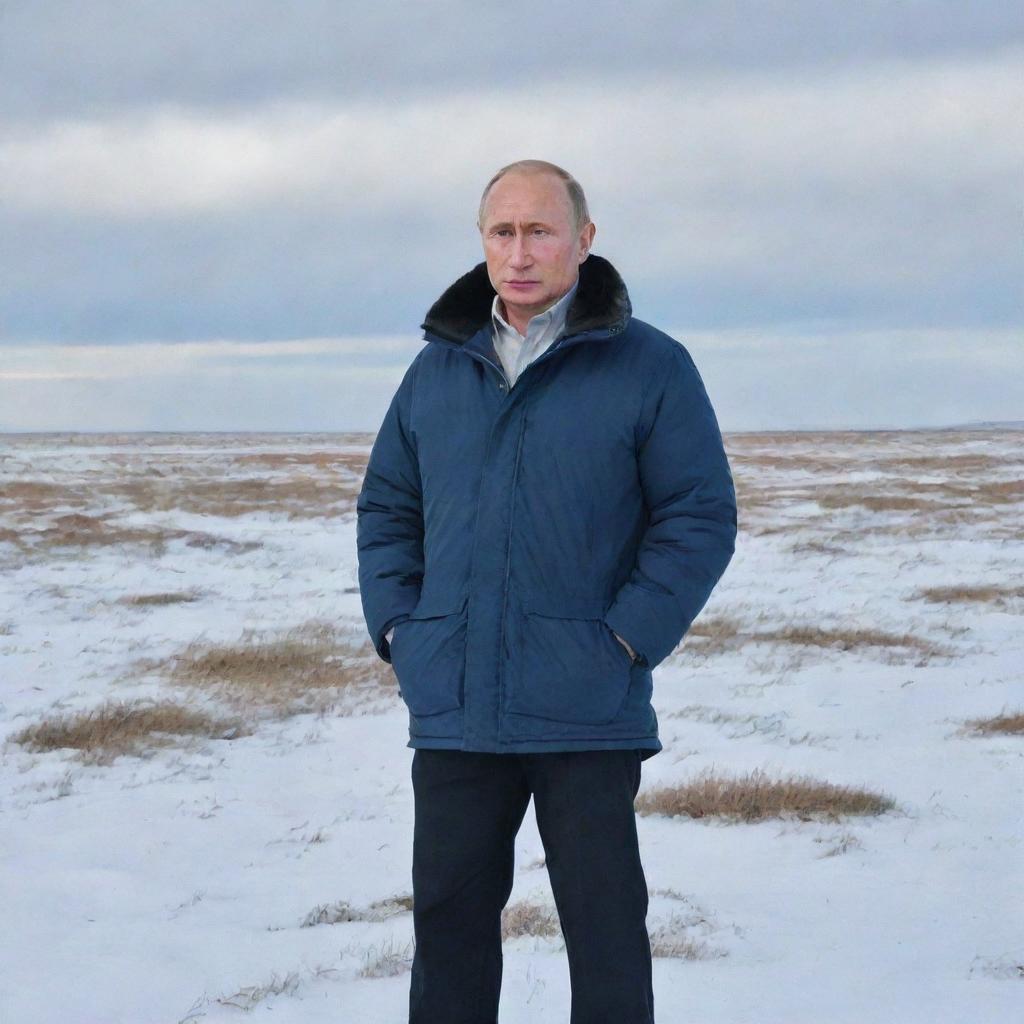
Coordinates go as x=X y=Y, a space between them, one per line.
x=517 y=352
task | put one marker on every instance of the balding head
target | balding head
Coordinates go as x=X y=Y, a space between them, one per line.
x=580 y=215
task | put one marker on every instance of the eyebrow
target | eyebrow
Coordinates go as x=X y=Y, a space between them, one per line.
x=509 y=224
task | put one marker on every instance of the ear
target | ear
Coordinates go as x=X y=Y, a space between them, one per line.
x=586 y=241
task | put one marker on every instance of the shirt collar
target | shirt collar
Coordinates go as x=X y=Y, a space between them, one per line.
x=557 y=312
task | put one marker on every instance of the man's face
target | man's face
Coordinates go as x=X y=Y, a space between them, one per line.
x=531 y=244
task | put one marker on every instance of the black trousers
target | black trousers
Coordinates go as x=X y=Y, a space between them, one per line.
x=469 y=807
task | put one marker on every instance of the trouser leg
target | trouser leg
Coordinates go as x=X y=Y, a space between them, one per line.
x=585 y=814
x=468 y=809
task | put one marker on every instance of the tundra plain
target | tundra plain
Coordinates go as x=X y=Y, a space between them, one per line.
x=205 y=805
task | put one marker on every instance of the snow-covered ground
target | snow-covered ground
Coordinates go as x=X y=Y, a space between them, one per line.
x=174 y=885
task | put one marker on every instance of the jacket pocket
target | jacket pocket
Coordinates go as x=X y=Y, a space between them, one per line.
x=428 y=655
x=570 y=666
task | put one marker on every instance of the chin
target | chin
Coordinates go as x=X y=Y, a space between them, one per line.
x=529 y=297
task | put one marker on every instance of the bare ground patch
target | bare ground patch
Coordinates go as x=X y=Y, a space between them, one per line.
x=124 y=727
x=755 y=797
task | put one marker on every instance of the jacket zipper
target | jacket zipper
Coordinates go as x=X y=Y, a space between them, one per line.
x=508 y=545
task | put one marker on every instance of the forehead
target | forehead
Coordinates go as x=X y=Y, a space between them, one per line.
x=539 y=194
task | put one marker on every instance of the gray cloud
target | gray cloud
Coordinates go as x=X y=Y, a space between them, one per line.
x=809 y=191
x=886 y=193
x=78 y=58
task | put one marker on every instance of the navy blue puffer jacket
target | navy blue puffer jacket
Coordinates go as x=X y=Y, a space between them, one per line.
x=510 y=532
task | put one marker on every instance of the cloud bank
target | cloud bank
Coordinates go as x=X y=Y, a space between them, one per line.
x=240 y=175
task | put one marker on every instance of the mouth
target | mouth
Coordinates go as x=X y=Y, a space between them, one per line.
x=521 y=284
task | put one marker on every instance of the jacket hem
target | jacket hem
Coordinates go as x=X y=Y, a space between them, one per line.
x=647 y=745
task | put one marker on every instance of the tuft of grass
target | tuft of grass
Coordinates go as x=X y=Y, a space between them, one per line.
x=671 y=940
x=1011 y=724
x=160 y=598
x=849 y=639
x=288 y=672
x=718 y=634
x=529 y=918
x=964 y=594
x=342 y=912
x=124 y=727
x=80 y=530
x=838 y=497
x=300 y=495
x=394 y=905
x=840 y=845
x=755 y=797
x=387 y=960
x=252 y=995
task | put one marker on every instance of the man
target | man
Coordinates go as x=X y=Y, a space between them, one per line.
x=546 y=508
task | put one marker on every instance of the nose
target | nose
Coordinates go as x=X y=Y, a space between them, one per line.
x=520 y=257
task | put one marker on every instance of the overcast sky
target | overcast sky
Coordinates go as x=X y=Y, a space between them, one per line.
x=225 y=216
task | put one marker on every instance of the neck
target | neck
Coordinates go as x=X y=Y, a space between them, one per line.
x=519 y=321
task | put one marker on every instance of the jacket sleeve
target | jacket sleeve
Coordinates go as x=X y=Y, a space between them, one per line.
x=690 y=499
x=389 y=523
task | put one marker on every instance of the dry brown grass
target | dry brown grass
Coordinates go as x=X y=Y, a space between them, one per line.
x=342 y=912
x=755 y=797
x=43 y=517
x=837 y=496
x=36 y=495
x=964 y=594
x=787 y=462
x=160 y=598
x=911 y=495
x=719 y=634
x=1011 y=724
x=849 y=639
x=354 y=462
x=387 y=960
x=250 y=996
x=947 y=463
x=529 y=918
x=124 y=727
x=303 y=669
x=818 y=547
x=671 y=940
x=80 y=530
x=774 y=471
x=298 y=496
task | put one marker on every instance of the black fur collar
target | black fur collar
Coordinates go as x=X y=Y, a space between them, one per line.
x=601 y=301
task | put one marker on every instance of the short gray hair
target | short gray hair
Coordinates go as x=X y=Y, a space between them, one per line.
x=577 y=199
